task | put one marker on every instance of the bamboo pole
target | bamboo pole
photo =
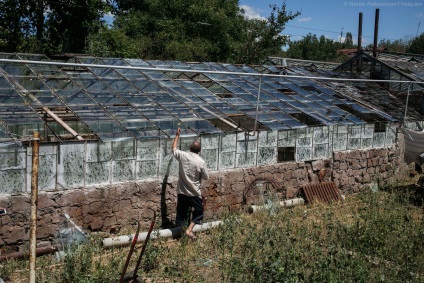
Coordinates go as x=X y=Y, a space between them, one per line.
x=34 y=201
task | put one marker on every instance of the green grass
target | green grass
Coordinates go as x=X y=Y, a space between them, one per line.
x=372 y=237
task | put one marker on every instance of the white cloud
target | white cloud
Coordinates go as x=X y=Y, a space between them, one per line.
x=302 y=20
x=252 y=12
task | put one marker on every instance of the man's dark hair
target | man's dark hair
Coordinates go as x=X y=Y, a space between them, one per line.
x=195 y=147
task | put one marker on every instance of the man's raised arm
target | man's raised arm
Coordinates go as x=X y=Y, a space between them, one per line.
x=175 y=142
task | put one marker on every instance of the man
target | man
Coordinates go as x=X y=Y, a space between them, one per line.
x=192 y=169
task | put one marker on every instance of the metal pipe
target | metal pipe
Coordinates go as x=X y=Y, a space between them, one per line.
x=377 y=16
x=406 y=105
x=359 y=61
x=360 y=33
x=285 y=203
x=200 y=71
x=257 y=104
x=34 y=202
x=163 y=233
x=19 y=255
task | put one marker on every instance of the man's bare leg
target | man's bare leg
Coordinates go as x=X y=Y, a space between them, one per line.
x=189 y=231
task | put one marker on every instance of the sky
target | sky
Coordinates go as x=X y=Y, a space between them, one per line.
x=397 y=19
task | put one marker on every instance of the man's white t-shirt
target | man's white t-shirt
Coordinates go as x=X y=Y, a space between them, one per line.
x=192 y=170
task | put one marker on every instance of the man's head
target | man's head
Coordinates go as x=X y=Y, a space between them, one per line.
x=195 y=147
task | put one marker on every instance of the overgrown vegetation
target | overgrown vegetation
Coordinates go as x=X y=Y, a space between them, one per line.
x=189 y=30
x=372 y=237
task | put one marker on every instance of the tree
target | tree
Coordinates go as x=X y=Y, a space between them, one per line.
x=398 y=45
x=199 y=30
x=48 y=26
x=15 y=25
x=348 y=43
x=70 y=22
x=193 y=30
x=178 y=30
x=262 y=38
x=417 y=45
x=312 y=48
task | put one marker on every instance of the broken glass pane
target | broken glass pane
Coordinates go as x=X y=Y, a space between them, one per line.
x=287 y=138
x=339 y=142
x=367 y=143
x=320 y=151
x=98 y=152
x=303 y=153
x=98 y=172
x=368 y=131
x=210 y=156
x=267 y=155
x=228 y=143
x=354 y=143
x=46 y=167
x=391 y=135
x=320 y=135
x=146 y=169
x=123 y=150
x=227 y=160
x=268 y=139
x=71 y=165
x=123 y=170
x=247 y=159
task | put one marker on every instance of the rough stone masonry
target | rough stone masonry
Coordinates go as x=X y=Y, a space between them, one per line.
x=114 y=209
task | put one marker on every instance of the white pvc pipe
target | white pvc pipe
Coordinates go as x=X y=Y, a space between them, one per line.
x=163 y=233
x=176 y=232
x=284 y=203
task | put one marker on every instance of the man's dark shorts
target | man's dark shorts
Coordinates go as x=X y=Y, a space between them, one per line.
x=184 y=210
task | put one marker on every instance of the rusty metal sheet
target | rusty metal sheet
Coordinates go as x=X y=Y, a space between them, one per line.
x=323 y=192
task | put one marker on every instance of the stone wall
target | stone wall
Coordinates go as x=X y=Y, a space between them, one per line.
x=113 y=209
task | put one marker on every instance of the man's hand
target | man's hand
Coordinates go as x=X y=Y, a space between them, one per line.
x=177 y=137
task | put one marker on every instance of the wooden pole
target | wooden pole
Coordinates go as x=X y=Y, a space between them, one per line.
x=34 y=202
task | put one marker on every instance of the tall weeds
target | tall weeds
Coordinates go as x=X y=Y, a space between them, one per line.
x=375 y=237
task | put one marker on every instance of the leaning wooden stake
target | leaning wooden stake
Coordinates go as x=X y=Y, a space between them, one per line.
x=34 y=201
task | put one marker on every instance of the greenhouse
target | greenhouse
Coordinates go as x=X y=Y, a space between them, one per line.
x=109 y=120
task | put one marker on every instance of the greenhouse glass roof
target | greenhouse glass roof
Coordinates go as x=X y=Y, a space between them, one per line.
x=112 y=99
